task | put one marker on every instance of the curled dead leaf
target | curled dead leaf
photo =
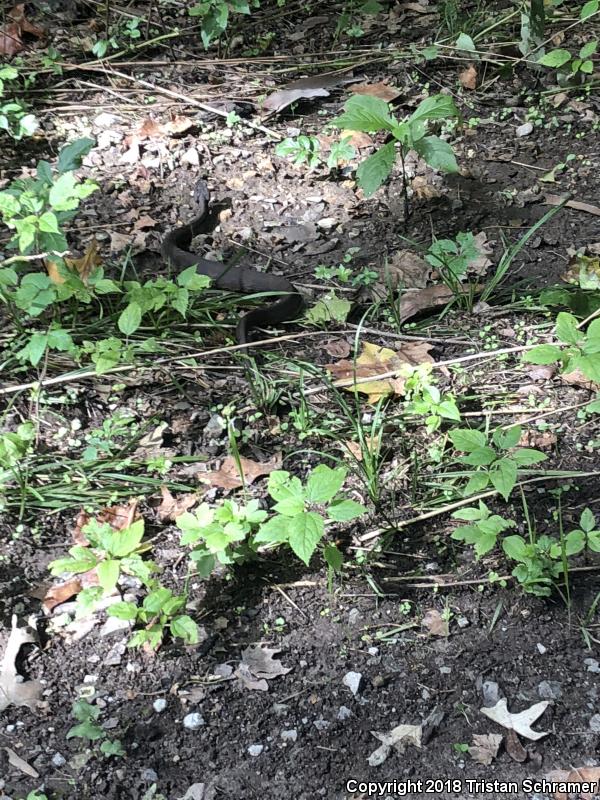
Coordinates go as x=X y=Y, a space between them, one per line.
x=228 y=476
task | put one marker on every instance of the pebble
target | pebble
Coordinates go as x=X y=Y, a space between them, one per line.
x=463 y=622
x=58 y=760
x=592 y=665
x=344 y=713
x=524 y=130
x=550 y=690
x=373 y=651
x=255 y=749
x=594 y=723
x=541 y=648
x=149 y=775
x=321 y=724
x=290 y=735
x=491 y=693
x=159 y=705
x=353 y=616
x=193 y=721
x=352 y=681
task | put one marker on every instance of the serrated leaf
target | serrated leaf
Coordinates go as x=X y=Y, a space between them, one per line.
x=555 y=58
x=123 y=610
x=437 y=153
x=566 y=328
x=503 y=476
x=526 y=456
x=324 y=483
x=185 y=628
x=543 y=354
x=333 y=557
x=365 y=113
x=70 y=156
x=108 y=574
x=515 y=547
x=130 y=319
x=345 y=510
x=125 y=541
x=375 y=169
x=507 y=438
x=466 y=439
x=306 y=531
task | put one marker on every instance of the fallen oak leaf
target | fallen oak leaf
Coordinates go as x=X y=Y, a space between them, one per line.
x=381 y=89
x=398 y=738
x=11 y=41
x=305 y=88
x=521 y=722
x=578 y=775
x=172 y=507
x=228 y=476
x=13 y=690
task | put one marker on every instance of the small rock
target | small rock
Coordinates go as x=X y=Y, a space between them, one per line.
x=344 y=713
x=105 y=120
x=491 y=693
x=352 y=681
x=524 y=130
x=592 y=665
x=327 y=223
x=550 y=690
x=321 y=724
x=115 y=655
x=223 y=670
x=58 y=760
x=256 y=749
x=193 y=721
x=113 y=625
x=462 y=622
x=373 y=651
x=541 y=648
x=353 y=616
x=594 y=723
x=290 y=735
x=445 y=670
x=149 y=775
x=214 y=427
x=159 y=705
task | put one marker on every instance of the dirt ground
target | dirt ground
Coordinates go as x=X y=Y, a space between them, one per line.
x=353 y=663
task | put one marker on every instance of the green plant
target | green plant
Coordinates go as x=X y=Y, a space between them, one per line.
x=113 y=554
x=538 y=568
x=451 y=258
x=422 y=397
x=577 y=351
x=372 y=115
x=301 y=150
x=568 y=65
x=496 y=461
x=344 y=273
x=484 y=529
x=14 y=117
x=88 y=729
x=232 y=533
x=14 y=448
x=214 y=15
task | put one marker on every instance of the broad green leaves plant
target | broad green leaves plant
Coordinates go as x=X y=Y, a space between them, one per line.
x=89 y=729
x=14 y=117
x=564 y=62
x=538 y=568
x=307 y=150
x=14 y=449
x=232 y=533
x=160 y=609
x=484 y=529
x=577 y=350
x=372 y=115
x=425 y=399
x=215 y=14
x=496 y=462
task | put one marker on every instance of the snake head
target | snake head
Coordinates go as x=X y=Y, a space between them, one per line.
x=200 y=192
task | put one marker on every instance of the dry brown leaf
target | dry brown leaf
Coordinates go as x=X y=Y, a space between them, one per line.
x=172 y=507
x=468 y=77
x=337 y=348
x=589 y=775
x=577 y=378
x=556 y=200
x=258 y=665
x=15 y=760
x=382 y=90
x=485 y=747
x=61 y=592
x=537 y=439
x=227 y=477
x=404 y=269
x=514 y=748
x=11 y=41
x=118 y=517
x=375 y=360
x=412 y=303
x=435 y=623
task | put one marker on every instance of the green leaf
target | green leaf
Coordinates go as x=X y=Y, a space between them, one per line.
x=543 y=354
x=82 y=560
x=526 y=456
x=154 y=602
x=274 y=531
x=9 y=205
x=125 y=541
x=555 y=58
x=465 y=43
x=587 y=520
x=123 y=610
x=476 y=483
x=345 y=510
x=324 y=483
x=503 y=476
x=466 y=439
x=588 y=9
x=566 y=328
x=329 y=308
x=130 y=319
x=70 y=156
x=62 y=193
x=515 y=547
x=574 y=543
x=588 y=50
x=365 y=113
x=471 y=514
x=589 y=365
x=34 y=349
x=438 y=106
x=306 y=531
x=507 y=438
x=184 y=628
x=108 y=574
x=437 y=153
x=375 y=169
x=482 y=457
x=486 y=541
x=333 y=557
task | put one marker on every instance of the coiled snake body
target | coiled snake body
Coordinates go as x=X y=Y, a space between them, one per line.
x=233 y=279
